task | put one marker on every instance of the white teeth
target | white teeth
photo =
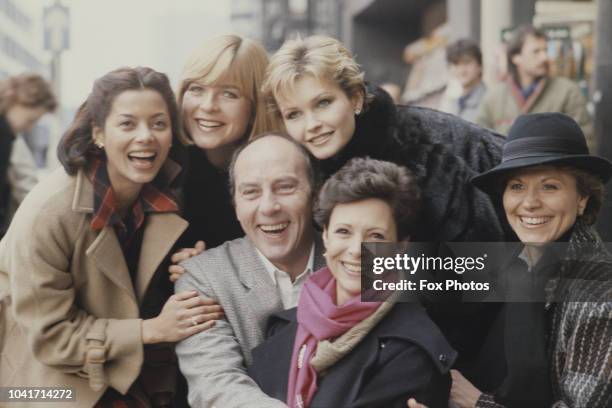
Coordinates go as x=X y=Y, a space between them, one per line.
x=209 y=123
x=320 y=138
x=274 y=228
x=352 y=267
x=534 y=220
x=142 y=155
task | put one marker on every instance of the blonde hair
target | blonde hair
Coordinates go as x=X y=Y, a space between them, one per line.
x=239 y=59
x=325 y=58
x=28 y=89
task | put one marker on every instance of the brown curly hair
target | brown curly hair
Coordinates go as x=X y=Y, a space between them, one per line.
x=363 y=178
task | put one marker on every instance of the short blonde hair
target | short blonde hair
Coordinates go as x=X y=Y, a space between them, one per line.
x=239 y=59
x=325 y=58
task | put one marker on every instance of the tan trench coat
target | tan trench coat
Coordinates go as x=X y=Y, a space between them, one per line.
x=58 y=278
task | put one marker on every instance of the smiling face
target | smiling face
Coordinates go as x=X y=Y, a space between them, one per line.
x=273 y=202
x=542 y=203
x=350 y=224
x=319 y=115
x=215 y=115
x=137 y=136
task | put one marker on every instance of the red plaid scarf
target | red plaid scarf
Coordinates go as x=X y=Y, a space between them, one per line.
x=154 y=197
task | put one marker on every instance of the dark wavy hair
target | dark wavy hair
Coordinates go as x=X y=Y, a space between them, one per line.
x=363 y=178
x=77 y=148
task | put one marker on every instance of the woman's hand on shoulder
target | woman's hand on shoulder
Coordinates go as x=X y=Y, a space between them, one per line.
x=183 y=254
x=183 y=315
x=463 y=393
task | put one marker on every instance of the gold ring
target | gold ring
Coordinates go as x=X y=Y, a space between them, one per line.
x=194 y=322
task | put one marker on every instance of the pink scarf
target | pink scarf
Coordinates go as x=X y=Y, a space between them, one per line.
x=319 y=318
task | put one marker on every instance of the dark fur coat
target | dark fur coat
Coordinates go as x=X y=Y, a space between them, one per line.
x=444 y=152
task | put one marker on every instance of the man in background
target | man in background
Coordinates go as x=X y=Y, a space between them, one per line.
x=530 y=88
x=465 y=67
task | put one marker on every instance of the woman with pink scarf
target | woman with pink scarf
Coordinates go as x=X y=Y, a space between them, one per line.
x=336 y=351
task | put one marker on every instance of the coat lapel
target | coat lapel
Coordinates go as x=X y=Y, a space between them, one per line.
x=106 y=253
x=263 y=297
x=161 y=232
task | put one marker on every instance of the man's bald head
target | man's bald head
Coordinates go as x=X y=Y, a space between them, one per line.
x=272 y=139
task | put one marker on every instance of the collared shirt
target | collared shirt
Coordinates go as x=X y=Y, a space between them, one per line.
x=152 y=198
x=530 y=89
x=469 y=104
x=289 y=291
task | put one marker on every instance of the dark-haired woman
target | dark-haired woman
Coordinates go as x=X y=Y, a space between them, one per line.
x=82 y=305
x=553 y=348
x=335 y=350
x=23 y=100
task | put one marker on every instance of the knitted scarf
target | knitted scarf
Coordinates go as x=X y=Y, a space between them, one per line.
x=319 y=318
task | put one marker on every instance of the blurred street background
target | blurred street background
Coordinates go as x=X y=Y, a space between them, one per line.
x=400 y=43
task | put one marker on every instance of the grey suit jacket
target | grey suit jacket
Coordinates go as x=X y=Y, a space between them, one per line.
x=214 y=361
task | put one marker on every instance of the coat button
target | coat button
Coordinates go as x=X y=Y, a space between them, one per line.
x=443 y=359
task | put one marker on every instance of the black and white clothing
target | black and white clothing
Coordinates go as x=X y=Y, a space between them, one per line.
x=578 y=340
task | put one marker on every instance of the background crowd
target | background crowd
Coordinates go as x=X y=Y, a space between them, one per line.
x=264 y=174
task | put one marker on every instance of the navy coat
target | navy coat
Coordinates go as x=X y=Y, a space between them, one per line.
x=404 y=356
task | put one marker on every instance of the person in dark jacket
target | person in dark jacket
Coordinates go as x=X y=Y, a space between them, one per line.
x=318 y=90
x=335 y=350
x=24 y=99
x=552 y=350
x=221 y=108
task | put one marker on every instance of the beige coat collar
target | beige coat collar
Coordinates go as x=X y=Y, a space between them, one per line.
x=160 y=233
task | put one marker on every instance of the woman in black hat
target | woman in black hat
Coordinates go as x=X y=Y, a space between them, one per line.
x=555 y=348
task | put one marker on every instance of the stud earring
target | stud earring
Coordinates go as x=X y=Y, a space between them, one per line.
x=357 y=111
x=99 y=144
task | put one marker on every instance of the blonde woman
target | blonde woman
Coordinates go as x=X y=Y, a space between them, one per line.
x=318 y=89
x=319 y=92
x=221 y=107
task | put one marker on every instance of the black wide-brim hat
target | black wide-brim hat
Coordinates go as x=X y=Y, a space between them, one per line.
x=539 y=139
